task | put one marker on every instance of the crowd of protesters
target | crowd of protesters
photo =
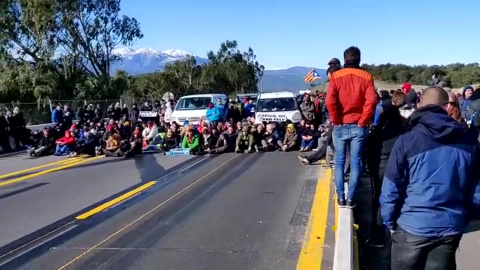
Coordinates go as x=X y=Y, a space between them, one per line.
x=420 y=150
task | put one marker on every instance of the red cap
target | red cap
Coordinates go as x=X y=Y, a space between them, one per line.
x=406 y=87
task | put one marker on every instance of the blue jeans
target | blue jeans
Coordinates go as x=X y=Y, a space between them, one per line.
x=310 y=144
x=354 y=136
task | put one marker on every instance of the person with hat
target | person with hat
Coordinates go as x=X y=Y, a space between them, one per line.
x=290 y=142
x=467 y=98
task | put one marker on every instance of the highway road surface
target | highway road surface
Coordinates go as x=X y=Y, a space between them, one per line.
x=231 y=211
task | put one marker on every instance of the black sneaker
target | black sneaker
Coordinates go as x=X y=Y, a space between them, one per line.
x=341 y=203
x=351 y=204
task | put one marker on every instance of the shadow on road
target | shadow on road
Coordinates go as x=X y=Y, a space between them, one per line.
x=148 y=167
x=18 y=191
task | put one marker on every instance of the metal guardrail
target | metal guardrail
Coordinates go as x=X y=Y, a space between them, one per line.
x=344 y=245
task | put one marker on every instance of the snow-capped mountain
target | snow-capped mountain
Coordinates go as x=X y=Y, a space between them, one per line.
x=147 y=60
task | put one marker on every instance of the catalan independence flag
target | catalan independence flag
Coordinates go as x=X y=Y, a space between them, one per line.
x=311 y=76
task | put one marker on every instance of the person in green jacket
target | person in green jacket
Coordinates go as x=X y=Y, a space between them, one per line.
x=192 y=142
x=244 y=141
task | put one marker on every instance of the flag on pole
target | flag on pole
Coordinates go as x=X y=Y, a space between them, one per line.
x=311 y=76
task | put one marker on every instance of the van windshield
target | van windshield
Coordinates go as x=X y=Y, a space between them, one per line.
x=276 y=104
x=193 y=103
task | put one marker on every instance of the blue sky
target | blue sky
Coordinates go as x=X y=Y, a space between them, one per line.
x=308 y=33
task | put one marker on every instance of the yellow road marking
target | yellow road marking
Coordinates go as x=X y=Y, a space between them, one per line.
x=68 y=165
x=311 y=254
x=115 y=201
x=144 y=215
x=63 y=161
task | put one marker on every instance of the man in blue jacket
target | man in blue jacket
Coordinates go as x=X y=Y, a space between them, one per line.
x=427 y=193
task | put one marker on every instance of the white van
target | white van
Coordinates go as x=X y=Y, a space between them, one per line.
x=277 y=107
x=194 y=108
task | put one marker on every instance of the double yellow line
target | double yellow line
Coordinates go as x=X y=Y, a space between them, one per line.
x=67 y=163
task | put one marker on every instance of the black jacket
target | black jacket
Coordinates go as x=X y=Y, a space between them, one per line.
x=390 y=126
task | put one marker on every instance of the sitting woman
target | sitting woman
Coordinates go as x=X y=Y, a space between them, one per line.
x=192 y=142
x=136 y=142
x=171 y=141
x=112 y=148
x=65 y=144
x=290 y=142
x=308 y=143
x=208 y=141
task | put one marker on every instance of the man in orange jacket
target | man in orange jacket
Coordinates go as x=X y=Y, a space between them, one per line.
x=351 y=102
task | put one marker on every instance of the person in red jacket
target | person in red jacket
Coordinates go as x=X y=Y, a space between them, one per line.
x=351 y=102
x=65 y=144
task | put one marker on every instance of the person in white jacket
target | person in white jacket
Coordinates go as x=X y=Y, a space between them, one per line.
x=150 y=132
x=168 y=111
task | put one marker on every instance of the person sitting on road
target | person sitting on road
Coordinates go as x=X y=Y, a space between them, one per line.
x=65 y=144
x=46 y=146
x=112 y=148
x=192 y=142
x=239 y=126
x=157 y=144
x=301 y=126
x=149 y=133
x=324 y=142
x=171 y=140
x=308 y=143
x=85 y=145
x=220 y=126
x=226 y=142
x=126 y=129
x=258 y=134
x=290 y=142
x=208 y=141
x=136 y=142
x=213 y=114
x=111 y=124
x=271 y=139
x=244 y=141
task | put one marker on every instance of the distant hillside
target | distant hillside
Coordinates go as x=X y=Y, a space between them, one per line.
x=290 y=79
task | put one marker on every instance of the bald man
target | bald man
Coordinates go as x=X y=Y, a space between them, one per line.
x=427 y=192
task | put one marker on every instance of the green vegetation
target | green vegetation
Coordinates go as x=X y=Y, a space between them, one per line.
x=228 y=71
x=61 y=49
x=453 y=75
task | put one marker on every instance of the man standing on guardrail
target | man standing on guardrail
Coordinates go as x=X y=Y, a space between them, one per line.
x=351 y=101
x=427 y=193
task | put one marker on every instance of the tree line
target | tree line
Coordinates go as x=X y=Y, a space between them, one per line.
x=227 y=71
x=63 y=49
x=453 y=75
